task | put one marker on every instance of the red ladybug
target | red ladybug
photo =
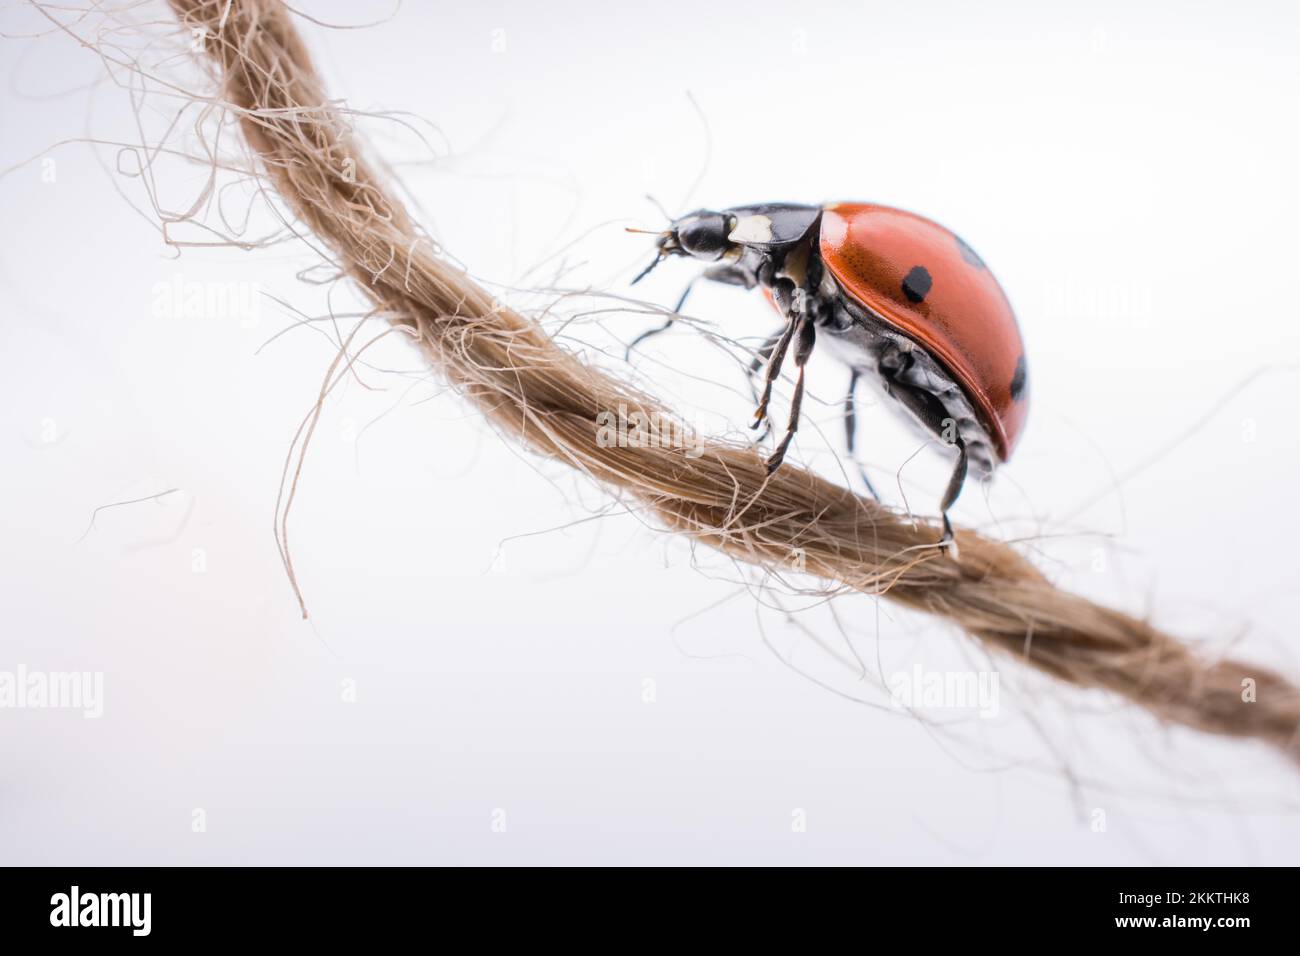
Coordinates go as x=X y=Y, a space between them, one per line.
x=902 y=300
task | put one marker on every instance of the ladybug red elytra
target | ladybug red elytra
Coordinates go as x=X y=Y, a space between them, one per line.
x=902 y=300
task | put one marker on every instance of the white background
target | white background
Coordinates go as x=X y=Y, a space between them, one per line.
x=1129 y=174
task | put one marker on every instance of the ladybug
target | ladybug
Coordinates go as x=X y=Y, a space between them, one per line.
x=904 y=302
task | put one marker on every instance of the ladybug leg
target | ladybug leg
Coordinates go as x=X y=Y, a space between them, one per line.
x=806 y=338
x=627 y=353
x=764 y=354
x=932 y=414
x=727 y=274
x=955 y=484
x=851 y=430
x=775 y=360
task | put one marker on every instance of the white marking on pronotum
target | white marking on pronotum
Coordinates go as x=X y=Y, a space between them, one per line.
x=752 y=229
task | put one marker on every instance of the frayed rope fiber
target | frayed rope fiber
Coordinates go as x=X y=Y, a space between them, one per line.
x=547 y=399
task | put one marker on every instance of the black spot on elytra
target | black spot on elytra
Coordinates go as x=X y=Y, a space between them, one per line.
x=916 y=284
x=969 y=254
x=1018 y=380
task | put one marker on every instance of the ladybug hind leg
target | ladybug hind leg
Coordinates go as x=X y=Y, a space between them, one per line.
x=930 y=412
x=851 y=431
x=955 y=484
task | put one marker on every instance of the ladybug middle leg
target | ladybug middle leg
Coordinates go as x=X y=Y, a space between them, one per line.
x=805 y=333
x=764 y=354
x=775 y=359
x=761 y=356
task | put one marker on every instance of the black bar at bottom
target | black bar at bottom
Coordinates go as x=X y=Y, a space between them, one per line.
x=622 y=906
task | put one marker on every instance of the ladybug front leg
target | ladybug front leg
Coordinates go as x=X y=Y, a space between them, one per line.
x=727 y=274
x=648 y=333
x=805 y=339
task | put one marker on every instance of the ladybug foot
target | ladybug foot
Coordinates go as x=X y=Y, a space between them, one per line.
x=778 y=455
x=947 y=541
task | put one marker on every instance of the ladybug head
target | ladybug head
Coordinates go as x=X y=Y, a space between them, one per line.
x=701 y=235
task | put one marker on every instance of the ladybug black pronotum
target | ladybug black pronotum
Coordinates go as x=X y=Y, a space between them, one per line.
x=904 y=302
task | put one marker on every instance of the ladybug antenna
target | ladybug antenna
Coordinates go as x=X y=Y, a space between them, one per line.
x=658 y=205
